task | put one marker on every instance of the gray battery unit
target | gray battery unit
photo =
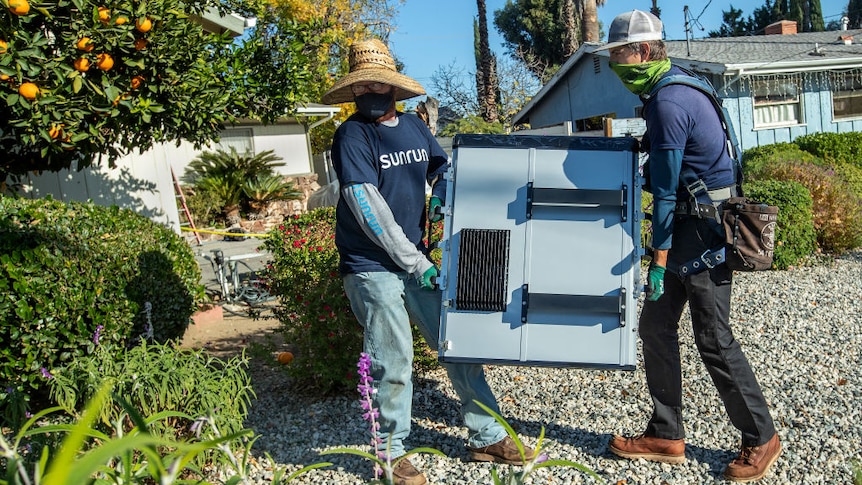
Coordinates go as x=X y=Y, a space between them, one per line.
x=541 y=251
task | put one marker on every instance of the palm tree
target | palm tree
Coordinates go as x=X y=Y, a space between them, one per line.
x=487 y=83
x=590 y=19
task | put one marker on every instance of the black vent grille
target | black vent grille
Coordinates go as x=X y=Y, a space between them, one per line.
x=483 y=270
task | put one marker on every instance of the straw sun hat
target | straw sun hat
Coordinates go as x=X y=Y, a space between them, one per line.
x=370 y=61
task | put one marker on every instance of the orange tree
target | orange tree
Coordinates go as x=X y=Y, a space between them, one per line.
x=85 y=77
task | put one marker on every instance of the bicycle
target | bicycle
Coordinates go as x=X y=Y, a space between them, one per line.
x=241 y=292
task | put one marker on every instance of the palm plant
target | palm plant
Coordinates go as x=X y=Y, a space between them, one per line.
x=266 y=188
x=224 y=173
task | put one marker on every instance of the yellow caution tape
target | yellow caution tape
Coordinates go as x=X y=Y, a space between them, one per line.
x=223 y=233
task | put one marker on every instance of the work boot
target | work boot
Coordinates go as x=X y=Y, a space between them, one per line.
x=405 y=473
x=753 y=462
x=503 y=451
x=649 y=448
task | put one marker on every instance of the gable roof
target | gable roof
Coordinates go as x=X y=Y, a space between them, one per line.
x=738 y=56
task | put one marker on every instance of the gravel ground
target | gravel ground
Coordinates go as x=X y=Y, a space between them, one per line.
x=801 y=329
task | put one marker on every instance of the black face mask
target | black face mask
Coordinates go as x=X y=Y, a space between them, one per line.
x=373 y=105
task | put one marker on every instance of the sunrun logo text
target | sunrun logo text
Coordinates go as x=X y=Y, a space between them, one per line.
x=367 y=213
x=403 y=158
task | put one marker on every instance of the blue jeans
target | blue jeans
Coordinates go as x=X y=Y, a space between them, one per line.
x=385 y=304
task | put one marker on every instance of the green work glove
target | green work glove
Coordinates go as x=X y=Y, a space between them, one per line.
x=435 y=209
x=655 y=282
x=428 y=280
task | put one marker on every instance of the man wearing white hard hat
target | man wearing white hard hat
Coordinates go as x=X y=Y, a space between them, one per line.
x=690 y=173
x=383 y=159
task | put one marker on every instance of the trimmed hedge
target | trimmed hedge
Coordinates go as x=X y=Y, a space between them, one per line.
x=836 y=205
x=795 y=238
x=68 y=269
x=833 y=148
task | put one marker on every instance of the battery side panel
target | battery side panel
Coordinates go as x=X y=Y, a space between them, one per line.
x=569 y=212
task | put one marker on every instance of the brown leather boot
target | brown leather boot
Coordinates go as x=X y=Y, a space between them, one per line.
x=405 y=473
x=753 y=462
x=649 y=448
x=503 y=451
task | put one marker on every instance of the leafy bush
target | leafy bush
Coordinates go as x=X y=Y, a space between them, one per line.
x=67 y=269
x=157 y=378
x=834 y=148
x=795 y=238
x=836 y=211
x=313 y=309
x=755 y=160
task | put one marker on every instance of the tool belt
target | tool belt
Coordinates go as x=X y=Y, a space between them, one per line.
x=703 y=211
x=711 y=257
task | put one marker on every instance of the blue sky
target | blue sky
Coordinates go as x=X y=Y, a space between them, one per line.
x=434 y=33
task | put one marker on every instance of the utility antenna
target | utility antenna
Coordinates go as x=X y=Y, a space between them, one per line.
x=688 y=25
x=686 y=13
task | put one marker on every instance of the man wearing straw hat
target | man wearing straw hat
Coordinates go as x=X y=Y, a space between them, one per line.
x=383 y=159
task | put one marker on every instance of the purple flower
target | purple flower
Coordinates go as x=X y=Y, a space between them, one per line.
x=543 y=457
x=366 y=391
x=98 y=334
x=46 y=374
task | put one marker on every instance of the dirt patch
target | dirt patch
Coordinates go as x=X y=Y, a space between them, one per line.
x=227 y=335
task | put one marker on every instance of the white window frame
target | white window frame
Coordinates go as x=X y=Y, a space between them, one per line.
x=774 y=104
x=240 y=138
x=846 y=87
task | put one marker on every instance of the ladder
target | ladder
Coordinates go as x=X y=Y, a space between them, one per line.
x=185 y=207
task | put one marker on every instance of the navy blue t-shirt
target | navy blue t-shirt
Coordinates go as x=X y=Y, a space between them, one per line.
x=398 y=161
x=683 y=118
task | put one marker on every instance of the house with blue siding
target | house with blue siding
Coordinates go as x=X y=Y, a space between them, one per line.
x=776 y=87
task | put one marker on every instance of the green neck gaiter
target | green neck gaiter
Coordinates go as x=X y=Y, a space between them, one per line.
x=640 y=78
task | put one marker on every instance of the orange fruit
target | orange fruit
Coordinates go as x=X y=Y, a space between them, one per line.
x=140 y=44
x=137 y=82
x=19 y=7
x=104 y=61
x=144 y=25
x=3 y=46
x=285 y=358
x=104 y=15
x=82 y=64
x=55 y=131
x=85 y=44
x=122 y=20
x=28 y=90
x=4 y=77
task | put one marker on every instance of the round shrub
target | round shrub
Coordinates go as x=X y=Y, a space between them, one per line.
x=68 y=271
x=795 y=237
x=755 y=161
x=836 y=211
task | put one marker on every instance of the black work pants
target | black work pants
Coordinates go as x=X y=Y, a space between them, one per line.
x=708 y=296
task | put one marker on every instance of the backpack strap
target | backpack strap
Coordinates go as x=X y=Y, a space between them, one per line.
x=703 y=85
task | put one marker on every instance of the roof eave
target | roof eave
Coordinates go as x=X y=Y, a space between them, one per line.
x=785 y=67
x=571 y=61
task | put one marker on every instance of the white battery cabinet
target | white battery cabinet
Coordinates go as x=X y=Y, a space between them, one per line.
x=541 y=251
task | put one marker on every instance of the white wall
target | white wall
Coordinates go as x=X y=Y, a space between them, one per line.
x=143 y=183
